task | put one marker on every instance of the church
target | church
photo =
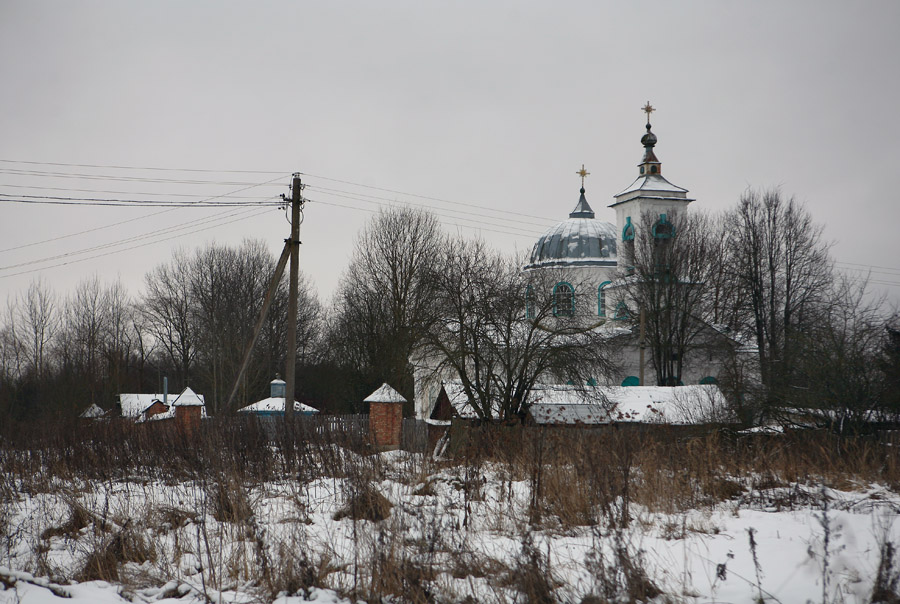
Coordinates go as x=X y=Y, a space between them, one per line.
x=586 y=266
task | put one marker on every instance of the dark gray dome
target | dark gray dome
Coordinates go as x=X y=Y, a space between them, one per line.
x=576 y=242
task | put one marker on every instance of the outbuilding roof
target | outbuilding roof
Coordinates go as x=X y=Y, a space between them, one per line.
x=385 y=394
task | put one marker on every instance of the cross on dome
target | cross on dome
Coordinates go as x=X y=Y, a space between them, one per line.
x=648 y=109
x=582 y=173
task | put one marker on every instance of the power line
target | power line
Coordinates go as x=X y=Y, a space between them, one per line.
x=221 y=195
x=465 y=226
x=438 y=199
x=359 y=196
x=148 y=193
x=84 y=201
x=179 y=181
x=156 y=168
x=159 y=240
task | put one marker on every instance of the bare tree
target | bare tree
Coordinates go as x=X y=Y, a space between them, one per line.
x=839 y=378
x=672 y=262
x=781 y=264
x=39 y=320
x=167 y=307
x=499 y=332
x=386 y=299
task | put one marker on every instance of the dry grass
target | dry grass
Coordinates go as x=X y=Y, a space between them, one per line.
x=573 y=478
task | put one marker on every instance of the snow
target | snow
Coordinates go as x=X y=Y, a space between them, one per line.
x=582 y=241
x=188 y=398
x=92 y=412
x=134 y=404
x=652 y=182
x=385 y=394
x=276 y=405
x=563 y=404
x=828 y=539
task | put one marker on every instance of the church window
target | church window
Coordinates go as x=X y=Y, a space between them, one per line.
x=529 y=302
x=563 y=300
x=709 y=380
x=663 y=229
x=628 y=230
x=601 y=299
x=622 y=311
x=631 y=380
x=642 y=169
x=591 y=382
x=653 y=169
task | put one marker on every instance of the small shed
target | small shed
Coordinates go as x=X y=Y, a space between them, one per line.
x=274 y=405
x=385 y=417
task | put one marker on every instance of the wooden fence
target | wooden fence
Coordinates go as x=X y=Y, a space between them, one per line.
x=341 y=428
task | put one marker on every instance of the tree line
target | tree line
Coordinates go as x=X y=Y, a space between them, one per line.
x=760 y=274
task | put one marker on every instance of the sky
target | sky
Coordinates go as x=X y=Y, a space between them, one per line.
x=479 y=111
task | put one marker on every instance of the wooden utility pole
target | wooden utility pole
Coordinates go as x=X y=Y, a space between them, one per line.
x=270 y=295
x=642 y=345
x=294 y=242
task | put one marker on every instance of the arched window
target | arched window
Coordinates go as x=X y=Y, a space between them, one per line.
x=601 y=299
x=529 y=302
x=709 y=380
x=628 y=230
x=563 y=300
x=622 y=311
x=631 y=380
x=663 y=229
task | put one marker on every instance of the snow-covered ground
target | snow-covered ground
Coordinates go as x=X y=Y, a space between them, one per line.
x=452 y=532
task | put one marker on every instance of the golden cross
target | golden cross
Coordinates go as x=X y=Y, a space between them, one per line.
x=648 y=109
x=582 y=173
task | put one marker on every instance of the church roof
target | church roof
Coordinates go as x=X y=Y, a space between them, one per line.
x=653 y=183
x=581 y=240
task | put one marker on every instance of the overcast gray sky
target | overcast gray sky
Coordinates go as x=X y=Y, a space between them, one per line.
x=493 y=104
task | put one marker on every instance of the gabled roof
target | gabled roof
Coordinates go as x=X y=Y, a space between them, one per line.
x=385 y=394
x=188 y=398
x=92 y=412
x=133 y=404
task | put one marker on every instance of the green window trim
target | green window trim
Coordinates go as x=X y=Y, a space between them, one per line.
x=663 y=229
x=628 y=230
x=559 y=290
x=601 y=299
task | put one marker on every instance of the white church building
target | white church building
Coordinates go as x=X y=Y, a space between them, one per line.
x=587 y=258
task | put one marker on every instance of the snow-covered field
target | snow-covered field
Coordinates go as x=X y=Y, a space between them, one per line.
x=451 y=532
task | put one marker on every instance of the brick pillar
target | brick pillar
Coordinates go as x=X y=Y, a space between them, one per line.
x=385 y=425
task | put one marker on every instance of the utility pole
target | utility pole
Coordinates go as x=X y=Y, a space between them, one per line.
x=294 y=242
x=642 y=346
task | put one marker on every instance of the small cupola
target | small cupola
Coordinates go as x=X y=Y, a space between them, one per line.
x=277 y=387
x=649 y=165
x=582 y=208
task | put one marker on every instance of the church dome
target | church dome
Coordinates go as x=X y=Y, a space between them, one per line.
x=581 y=240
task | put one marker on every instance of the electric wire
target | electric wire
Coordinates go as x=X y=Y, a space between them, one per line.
x=438 y=199
x=155 y=233
x=341 y=193
x=81 y=176
x=147 y=193
x=519 y=230
x=156 y=168
x=82 y=201
x=151 y=233
x=158 y=240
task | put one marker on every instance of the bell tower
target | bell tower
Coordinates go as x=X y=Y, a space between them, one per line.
x=649 y=193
